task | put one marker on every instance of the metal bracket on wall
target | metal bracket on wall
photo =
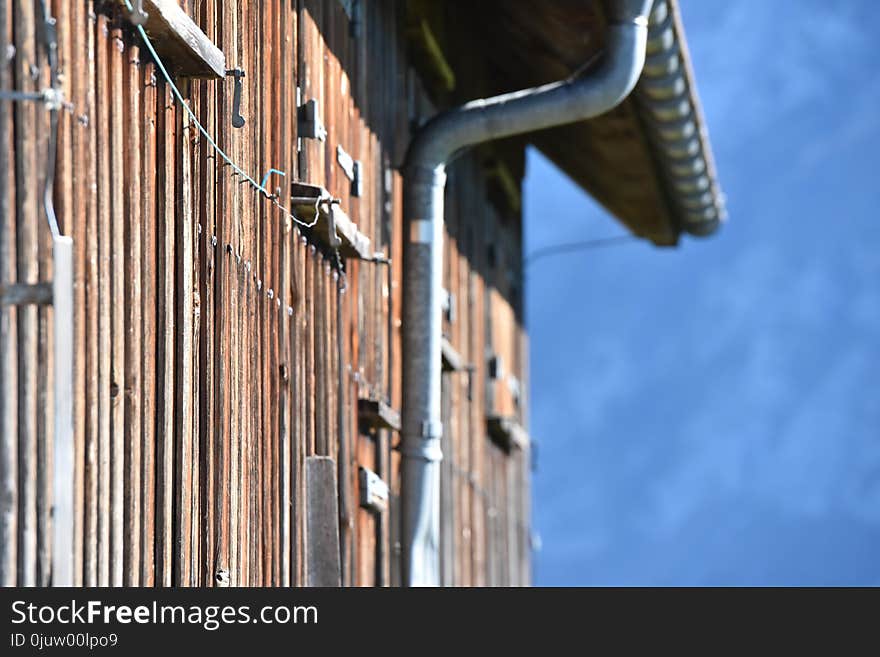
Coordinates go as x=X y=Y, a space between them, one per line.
x=447 y=304
x=309 y=125
x=496 y=366
x=452 y=361
x=237 y=119
x=374 y=491
x=507 y=432
x=376 y=414
x=352 y=169
x=331 y=223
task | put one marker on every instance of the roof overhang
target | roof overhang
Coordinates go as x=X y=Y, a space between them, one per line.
x=649 y=161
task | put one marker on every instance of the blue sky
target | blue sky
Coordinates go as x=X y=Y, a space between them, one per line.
x=711 y=414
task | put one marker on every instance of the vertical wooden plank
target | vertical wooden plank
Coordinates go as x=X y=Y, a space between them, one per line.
x=8 y=329
x=245 y=249
x=320 y=353
x=133 y=320
x=92 y=321
x=27 y=251
x=45 y=359
x=281 y=228
x=260 y=249
x=73 y=61
x=197 y=201
x=222 y=344
x=166 y=311
x=476 y=300
x=252 y=530
x=183 y=371
x=105 y=298
x=235 y=436
x=149 y=209
x=309 y=355
x=117 y=305
x=265 y=41
x=300 y=413
x=207 y=352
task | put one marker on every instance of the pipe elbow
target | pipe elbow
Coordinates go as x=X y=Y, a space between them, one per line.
x=620 y=70
x=554 y=104
x=433 y=145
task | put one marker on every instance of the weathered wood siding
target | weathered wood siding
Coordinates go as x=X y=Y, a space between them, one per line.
x=217 y=344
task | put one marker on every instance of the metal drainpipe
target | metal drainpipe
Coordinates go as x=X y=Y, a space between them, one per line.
x=431 y=150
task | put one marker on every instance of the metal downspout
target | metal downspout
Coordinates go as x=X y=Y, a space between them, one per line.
x=431 y=150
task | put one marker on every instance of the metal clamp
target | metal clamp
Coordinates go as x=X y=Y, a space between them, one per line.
x=309 y=124
x=352 y=169
x=374 y=491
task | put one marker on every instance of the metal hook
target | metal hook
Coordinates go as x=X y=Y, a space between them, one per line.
x=237 y=118
x=137 y=15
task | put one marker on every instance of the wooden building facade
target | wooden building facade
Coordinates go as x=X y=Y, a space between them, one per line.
x=236 y=327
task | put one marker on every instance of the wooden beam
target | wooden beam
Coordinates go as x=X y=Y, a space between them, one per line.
x=185 y=50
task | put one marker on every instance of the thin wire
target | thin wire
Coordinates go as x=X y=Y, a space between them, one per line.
x=570 y=247
x=207 y=136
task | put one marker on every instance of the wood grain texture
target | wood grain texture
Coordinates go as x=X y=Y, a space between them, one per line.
x=219 y=347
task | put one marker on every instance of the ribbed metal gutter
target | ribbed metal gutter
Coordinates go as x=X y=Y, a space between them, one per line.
x=667 y=98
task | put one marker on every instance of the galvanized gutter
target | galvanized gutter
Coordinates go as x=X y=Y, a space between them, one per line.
x=668 y=102
x=431 y=150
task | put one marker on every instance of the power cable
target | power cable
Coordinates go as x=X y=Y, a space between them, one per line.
x=571 y=247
